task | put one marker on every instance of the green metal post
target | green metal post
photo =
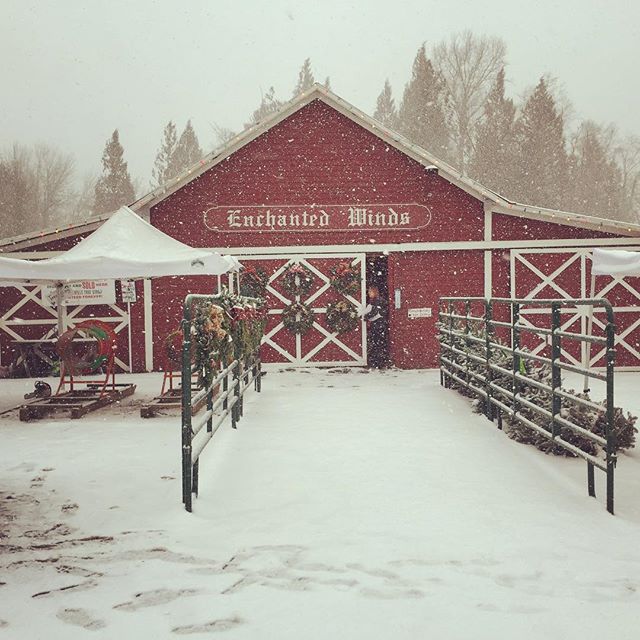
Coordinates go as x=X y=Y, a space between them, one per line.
x=556 y=374
x=515 y=346
x=488 y=316
x=236 y=392
x=450 y=338
x=467 y=342
x=187 y=476
x=611 y=435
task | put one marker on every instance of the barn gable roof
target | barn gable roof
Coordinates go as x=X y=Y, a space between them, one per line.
x=496 y=202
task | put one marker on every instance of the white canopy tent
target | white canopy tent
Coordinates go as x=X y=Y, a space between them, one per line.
x=608 y=262
x=124 y=247
x=614 y=262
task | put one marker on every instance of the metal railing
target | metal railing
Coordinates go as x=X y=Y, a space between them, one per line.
x=469 y=347
x=224 y=398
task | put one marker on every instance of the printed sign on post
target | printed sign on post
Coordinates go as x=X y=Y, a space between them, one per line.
x=128 y=289
x=82 y=293
x=424 y=312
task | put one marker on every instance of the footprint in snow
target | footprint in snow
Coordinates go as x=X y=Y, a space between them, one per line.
x=154 y=598
x=80 y=618
x=223 y=624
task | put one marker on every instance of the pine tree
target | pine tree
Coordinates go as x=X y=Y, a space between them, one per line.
x=114 y=187
x=386 y=108
x=542 y=159
x=327 y=83
x=268 y=105
x=494 y=156
x=186 y=154
x=305 y=78
x=595 y=178
x=422 y=116
x=166 y=151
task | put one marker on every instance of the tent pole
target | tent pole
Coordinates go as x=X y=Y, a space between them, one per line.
x=587 y=359
x=60 y=307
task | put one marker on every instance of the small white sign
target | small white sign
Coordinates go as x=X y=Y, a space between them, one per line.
x=82 y=293
x=424 y=312
x=128 y=289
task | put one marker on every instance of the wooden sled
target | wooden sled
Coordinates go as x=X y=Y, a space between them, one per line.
x=170 y=397
x=98 y=359
x=78 y=402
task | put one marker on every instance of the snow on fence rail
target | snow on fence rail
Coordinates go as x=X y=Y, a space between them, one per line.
x=232 y=328
x=469 y=355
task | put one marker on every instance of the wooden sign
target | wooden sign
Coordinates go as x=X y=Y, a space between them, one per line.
x=82 y=293
x=317 y=218
x=128 y=290
x=423 y=312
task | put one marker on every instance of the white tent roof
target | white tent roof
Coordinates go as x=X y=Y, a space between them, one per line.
x=125 y=246
x=615 y=262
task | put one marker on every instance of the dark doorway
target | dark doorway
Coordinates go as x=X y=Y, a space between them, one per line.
x=378 y=329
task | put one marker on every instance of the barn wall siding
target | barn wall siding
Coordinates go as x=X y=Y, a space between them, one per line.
x=422 y=279
x=318 y=156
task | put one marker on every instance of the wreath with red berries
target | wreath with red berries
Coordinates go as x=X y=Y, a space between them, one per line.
x=297 y=280
x=297 y=318
x=345 y=278
x=342 y=316
x=253 y=282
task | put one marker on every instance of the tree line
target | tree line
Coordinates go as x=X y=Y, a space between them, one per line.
x=455 y=104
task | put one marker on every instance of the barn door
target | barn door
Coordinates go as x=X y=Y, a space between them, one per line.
x=320 y=345
x=553 y=273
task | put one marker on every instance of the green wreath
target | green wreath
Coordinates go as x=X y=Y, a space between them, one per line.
x=297 y=280
x=345 y=278
x=342 y=316
x=253 y=282
x=297 y=318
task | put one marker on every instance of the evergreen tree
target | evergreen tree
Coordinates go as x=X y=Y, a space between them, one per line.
x=327 y=83
x=186 y=154
x=542 y=158
x=386 y=108
x=114 y=187
x=305 y=78
x=595 y=178
x=163 y=158
x=494 y=156
x=422 y=116
x=268 y=105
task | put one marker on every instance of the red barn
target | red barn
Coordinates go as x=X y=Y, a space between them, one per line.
x=321 y=183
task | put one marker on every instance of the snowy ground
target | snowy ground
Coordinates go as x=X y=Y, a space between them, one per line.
x=355 y=505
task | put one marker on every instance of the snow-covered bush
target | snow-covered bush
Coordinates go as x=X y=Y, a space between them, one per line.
x=585 y=417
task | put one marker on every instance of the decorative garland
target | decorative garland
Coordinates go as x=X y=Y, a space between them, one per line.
x=253 y=282
x=345 y=278
x=95 y=355
x=226 y=328
x=297 y=318
x=342 y=316
x=297 y=280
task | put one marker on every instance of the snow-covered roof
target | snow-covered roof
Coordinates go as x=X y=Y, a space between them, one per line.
x=125 y=246
x=497 y=203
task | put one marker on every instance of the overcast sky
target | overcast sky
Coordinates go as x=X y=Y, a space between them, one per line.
x=71 y=71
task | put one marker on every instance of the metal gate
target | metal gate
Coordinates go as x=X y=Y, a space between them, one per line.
x=319 y=346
